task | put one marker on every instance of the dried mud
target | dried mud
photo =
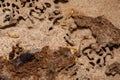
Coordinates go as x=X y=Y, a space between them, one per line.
x=59 y=40
x=43 y=64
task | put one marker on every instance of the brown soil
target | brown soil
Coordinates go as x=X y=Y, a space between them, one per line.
x=46 y=63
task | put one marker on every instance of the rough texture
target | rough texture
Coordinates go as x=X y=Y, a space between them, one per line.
x=41 y=64
x=105 y=33
x=86 y=48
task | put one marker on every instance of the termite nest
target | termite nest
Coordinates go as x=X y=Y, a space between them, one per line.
x=46 y=62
